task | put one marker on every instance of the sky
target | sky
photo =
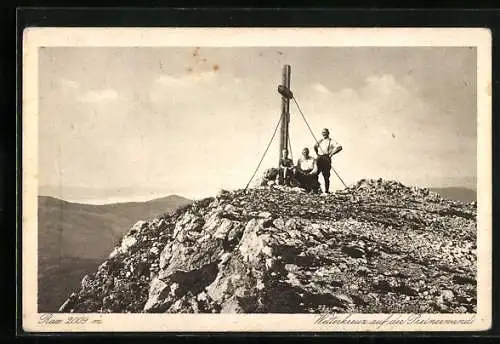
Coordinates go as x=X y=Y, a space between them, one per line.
x=122 y=124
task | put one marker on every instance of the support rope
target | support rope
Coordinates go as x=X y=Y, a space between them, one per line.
x=290 y=145
x=265 y=152
x=305 y=120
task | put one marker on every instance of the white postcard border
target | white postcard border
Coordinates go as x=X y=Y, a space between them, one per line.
x=34 y=38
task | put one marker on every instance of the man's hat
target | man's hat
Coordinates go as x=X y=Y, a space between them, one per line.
x=325 y=130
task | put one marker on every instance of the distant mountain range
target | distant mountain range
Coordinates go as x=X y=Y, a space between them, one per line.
x=73 y=238
x=88 y=231
x=457 y=193
x=111 y=195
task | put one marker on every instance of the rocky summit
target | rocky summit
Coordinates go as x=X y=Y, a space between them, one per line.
x=375 y=247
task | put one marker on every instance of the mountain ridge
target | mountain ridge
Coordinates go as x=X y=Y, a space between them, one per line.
x=458 y=193
x=80 y=236
x=153 y=200
x=377 y=246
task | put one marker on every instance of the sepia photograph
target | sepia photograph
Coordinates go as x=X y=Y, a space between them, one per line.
x=246 y=179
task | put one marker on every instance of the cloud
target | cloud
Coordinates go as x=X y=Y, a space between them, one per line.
x=68 y=84
x=183 y=89
x=187 y=80
x=321 y=88
x=73 y=88
x=385 y=85
x=97 y=96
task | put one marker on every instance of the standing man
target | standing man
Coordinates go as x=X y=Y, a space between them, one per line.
x=325 y=149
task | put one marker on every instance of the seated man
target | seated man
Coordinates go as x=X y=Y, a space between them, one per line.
x=306 y=172
x=285 y=170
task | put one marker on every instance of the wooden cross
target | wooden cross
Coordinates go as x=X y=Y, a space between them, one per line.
x=285 y=112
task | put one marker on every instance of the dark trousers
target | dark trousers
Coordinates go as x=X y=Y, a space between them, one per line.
x=285 y=175
x=309 y=182
x=324 y=166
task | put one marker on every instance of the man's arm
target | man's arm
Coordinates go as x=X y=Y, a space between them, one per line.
x=337 y=148
x=297 y=167
x=315 y=168
x=316 y=146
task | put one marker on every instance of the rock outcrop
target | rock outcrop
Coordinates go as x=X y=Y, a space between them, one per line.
x=375 y=247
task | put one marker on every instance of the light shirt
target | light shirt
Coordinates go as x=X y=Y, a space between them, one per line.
x=326 y=146
x=307 y=164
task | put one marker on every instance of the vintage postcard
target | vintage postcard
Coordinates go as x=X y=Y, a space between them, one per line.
x=256 y=179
